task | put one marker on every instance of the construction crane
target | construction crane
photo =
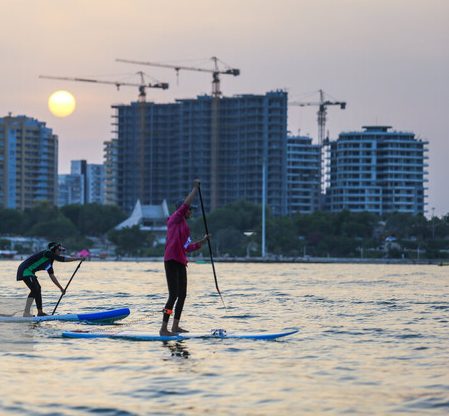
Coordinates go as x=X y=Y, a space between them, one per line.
x=322 y=112
x=143 y=186
x=215 y=105
x=142 y=86
x=216 y=72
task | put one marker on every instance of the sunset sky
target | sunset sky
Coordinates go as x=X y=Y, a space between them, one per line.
x=388 y=59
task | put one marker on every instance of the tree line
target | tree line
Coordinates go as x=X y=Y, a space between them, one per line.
x=71 y=224
x=237 y=232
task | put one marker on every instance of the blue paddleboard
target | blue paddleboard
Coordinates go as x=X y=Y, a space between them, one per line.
x=145 y=336
x=94 y=317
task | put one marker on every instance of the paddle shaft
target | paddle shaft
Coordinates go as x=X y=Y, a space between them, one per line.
x=68 y=283
x=208 y=244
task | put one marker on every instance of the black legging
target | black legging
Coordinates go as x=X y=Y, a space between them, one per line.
x=35 y=290
x=176 y=274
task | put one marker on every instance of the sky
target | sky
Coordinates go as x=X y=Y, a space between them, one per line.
x=388 y=59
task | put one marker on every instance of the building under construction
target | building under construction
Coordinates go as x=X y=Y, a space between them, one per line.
x=161 y=148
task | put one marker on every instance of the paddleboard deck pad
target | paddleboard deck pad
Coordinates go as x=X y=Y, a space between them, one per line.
x=93 y=317
x=145 y=336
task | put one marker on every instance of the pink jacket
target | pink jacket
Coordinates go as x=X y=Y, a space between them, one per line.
x=178 y=241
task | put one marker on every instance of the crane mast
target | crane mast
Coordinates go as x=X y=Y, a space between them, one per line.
x=216 y=72
x=215 y=111
x=323 y=142
x=321 y=113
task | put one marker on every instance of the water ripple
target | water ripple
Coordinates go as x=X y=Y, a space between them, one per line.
x=373 y=340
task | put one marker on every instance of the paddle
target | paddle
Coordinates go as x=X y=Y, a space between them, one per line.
x=208 y=243
x=65 y=289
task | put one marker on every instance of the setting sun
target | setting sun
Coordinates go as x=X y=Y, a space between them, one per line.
x=61 y=103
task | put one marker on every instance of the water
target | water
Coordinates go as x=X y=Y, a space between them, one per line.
x=374 y=340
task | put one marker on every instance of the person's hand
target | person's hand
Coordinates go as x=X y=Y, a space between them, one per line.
x=196 y=183
x=62 y=290
x=207 y=237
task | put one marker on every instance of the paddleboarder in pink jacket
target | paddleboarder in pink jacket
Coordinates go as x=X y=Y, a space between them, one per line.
x=178 y=244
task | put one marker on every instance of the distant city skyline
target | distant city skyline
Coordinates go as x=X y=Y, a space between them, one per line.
x=387 y=59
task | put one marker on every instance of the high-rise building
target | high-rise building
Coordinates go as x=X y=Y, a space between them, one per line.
x=84 y=185
x=110 y=172
x=95 y=183
x=379 y=171
x=236 y=145
x=70 y=189
x=79 y=167
x=303 y=175
x=28 y=162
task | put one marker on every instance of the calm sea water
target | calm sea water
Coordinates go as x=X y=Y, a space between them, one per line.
x=374 y=340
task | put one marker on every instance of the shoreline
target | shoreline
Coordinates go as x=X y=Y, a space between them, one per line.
x=281 y=260
x=268 y=259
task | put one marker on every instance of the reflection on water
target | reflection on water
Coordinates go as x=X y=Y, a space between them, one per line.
x=177 y=349
x=373 y=340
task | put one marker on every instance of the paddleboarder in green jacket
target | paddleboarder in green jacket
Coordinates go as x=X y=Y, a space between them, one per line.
x=41 y=261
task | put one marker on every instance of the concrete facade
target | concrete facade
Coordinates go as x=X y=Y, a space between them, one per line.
x=303 y=175
x=161 y=148
x=28 y=162
x=379 y=171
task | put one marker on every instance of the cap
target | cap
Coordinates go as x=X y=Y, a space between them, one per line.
x=54 y=246
x=181 y=201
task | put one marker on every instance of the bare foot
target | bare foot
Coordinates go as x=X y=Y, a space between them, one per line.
x=179 y=330
x=166 y=333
